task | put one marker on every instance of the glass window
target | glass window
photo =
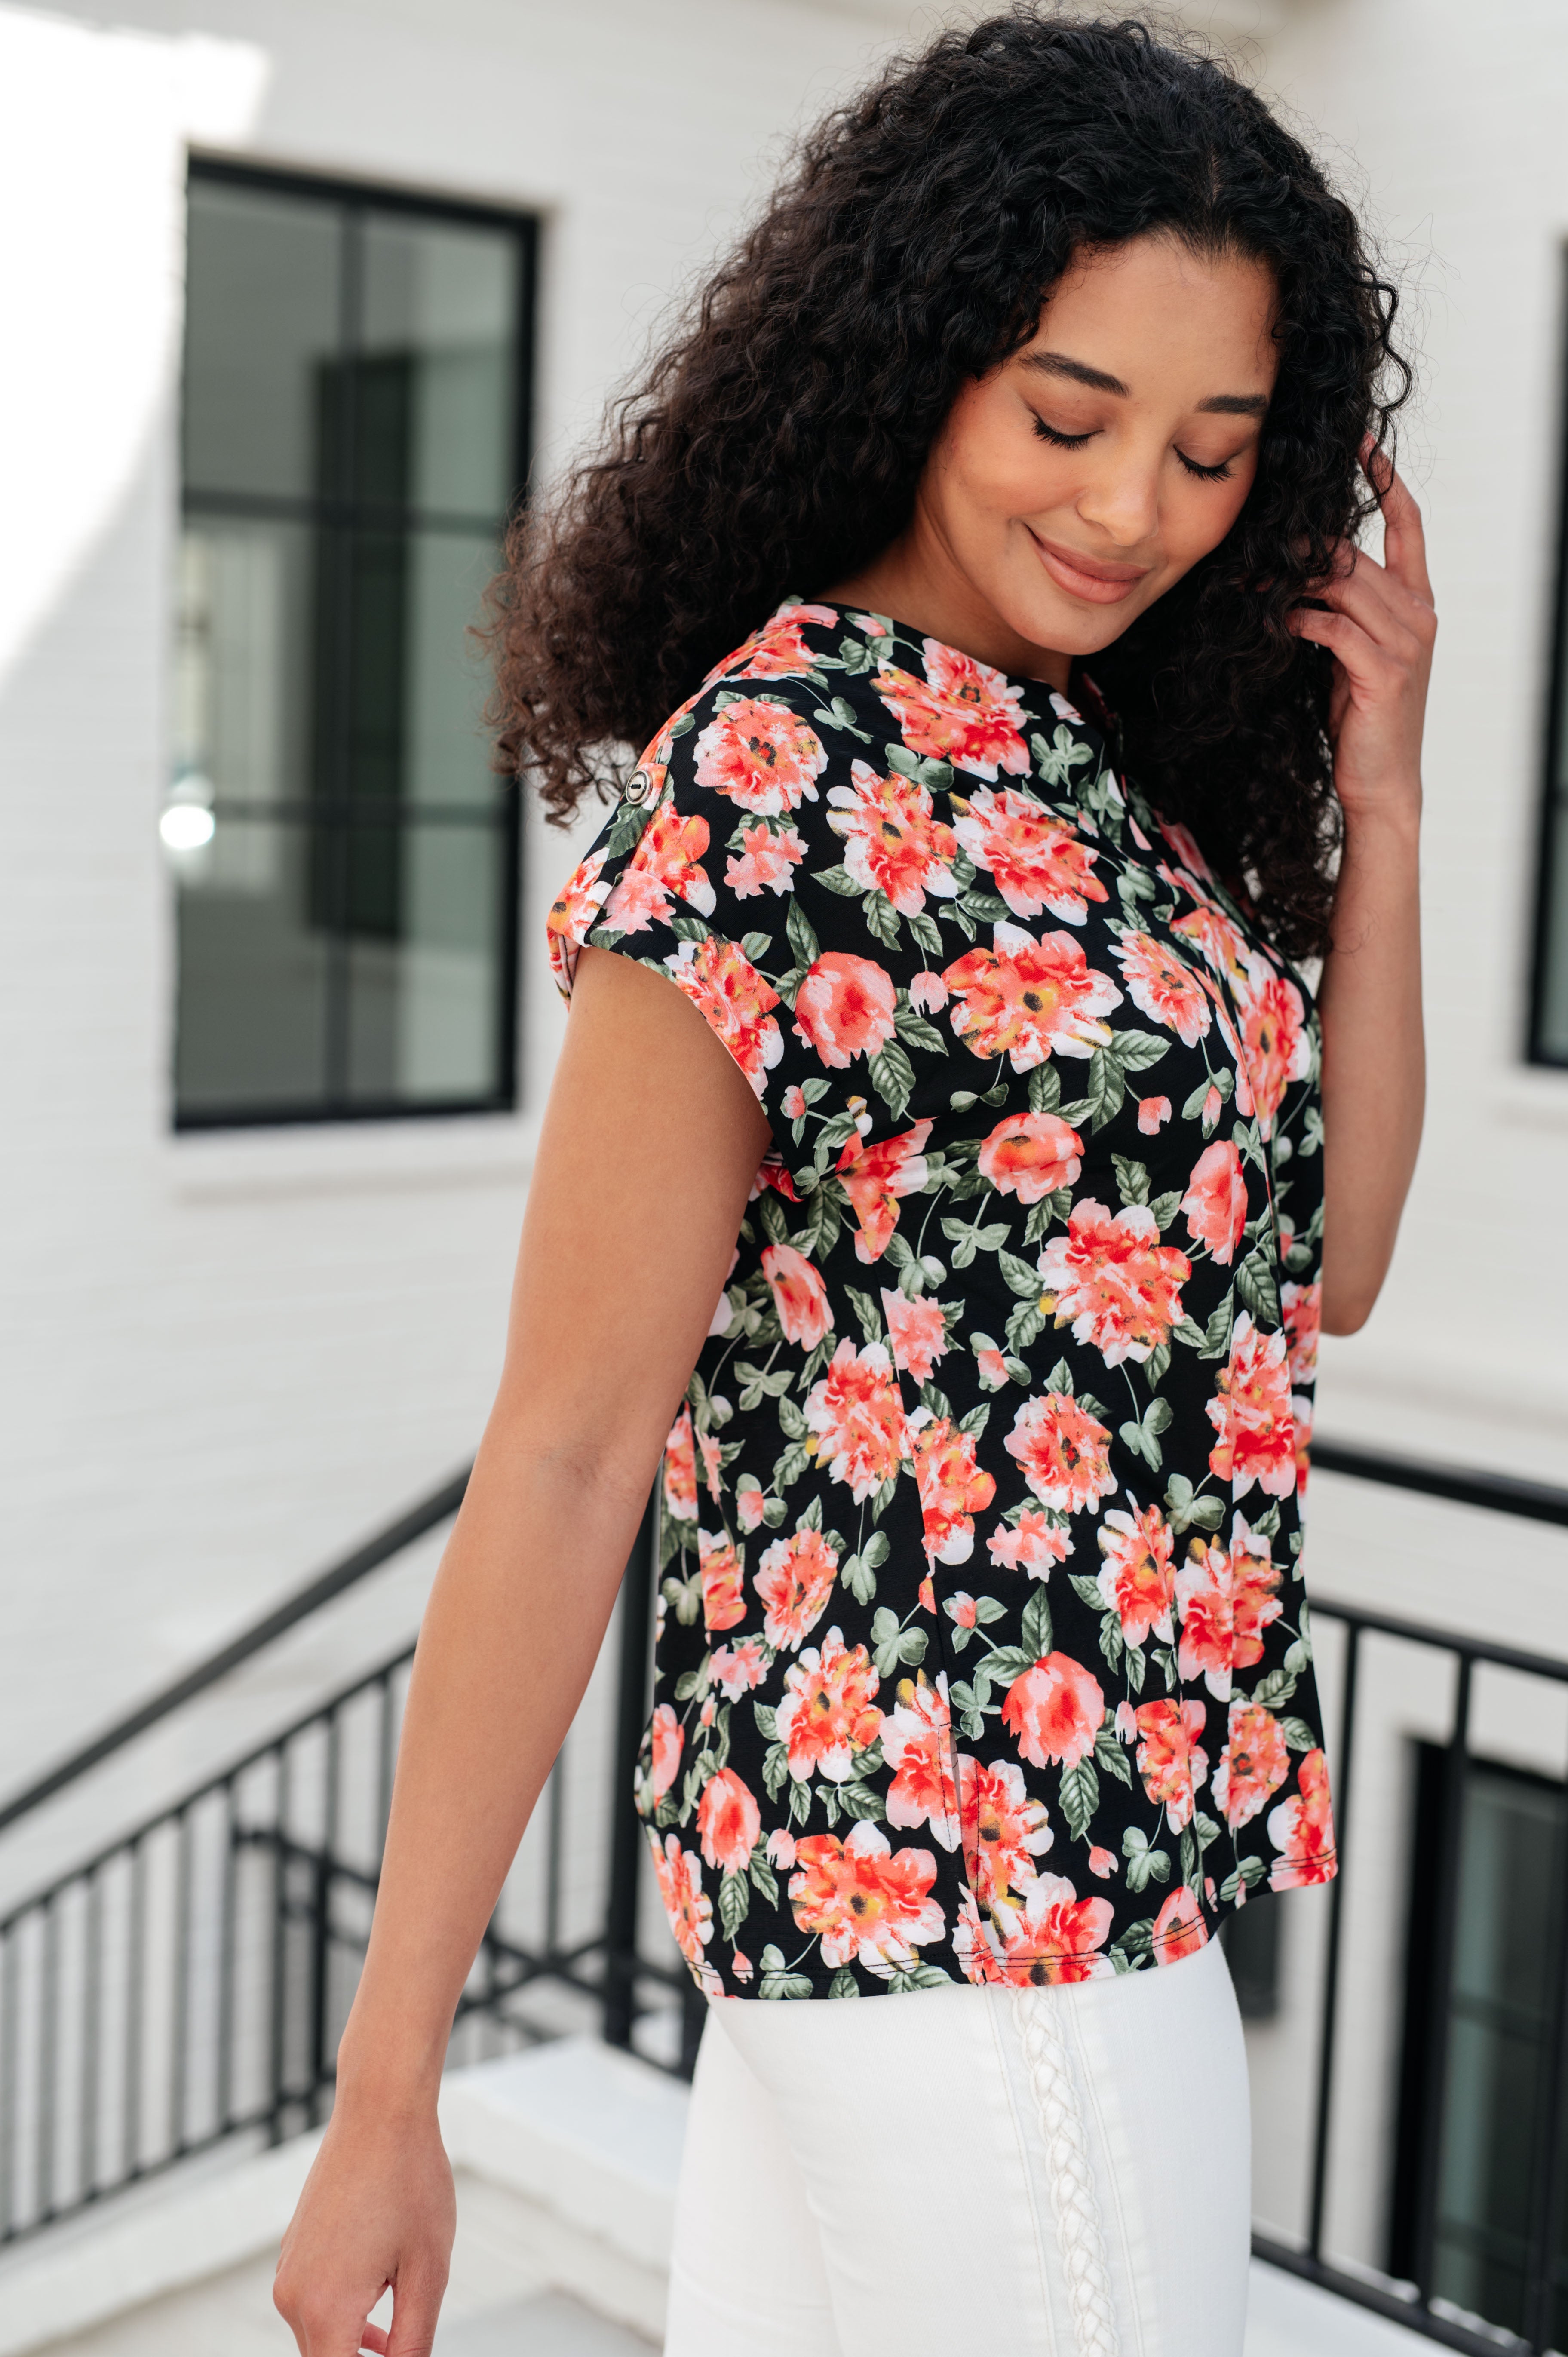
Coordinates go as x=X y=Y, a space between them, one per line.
x=345 y=860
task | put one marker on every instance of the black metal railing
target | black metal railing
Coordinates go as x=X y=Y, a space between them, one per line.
x=1522 y=2227
x=186 y=1985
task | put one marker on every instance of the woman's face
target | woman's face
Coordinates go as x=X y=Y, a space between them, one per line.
x=1077 y=482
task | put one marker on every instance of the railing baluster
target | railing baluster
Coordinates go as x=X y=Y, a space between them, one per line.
x=91 y=1998
x=626 y=1833
x=224 y=2089
x=9 y=2124
x=1331 y=1966
x=278 y=2039
x=49 y=2062
x=1551 y=2170
x=1450 y=1835
x=180 y=2013
x=135 y=1999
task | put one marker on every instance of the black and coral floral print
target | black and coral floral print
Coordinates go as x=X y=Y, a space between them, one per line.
x=982 y=1646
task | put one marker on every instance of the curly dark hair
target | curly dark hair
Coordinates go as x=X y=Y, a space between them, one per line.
x=775 y=444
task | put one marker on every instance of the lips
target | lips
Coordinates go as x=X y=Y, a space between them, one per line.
x=1088 y=578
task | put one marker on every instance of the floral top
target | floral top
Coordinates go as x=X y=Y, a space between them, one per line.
x=983 y=1648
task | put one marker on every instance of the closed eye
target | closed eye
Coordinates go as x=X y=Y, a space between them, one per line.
x=1058 y=440
x=1220 y=474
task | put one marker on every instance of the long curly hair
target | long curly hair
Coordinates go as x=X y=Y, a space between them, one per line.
x=775 y=444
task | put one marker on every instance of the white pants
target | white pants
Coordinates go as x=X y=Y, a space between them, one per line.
x=1050 y=2172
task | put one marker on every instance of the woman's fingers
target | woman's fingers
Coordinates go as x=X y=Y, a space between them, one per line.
x=1362 y=657
x=1370 y=596
x=1404 y=537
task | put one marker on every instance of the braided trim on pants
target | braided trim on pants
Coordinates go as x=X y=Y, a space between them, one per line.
x=1073 y=2198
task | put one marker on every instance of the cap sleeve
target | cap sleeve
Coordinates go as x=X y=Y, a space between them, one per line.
x=736 y=867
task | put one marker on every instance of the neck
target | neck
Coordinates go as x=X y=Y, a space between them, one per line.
x=916 y=579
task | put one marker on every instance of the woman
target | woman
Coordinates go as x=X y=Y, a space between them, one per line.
x=991 y=1108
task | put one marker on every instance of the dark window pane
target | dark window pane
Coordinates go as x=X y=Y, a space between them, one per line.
x=424 y=1013
x=438 y=403
x=245 y=660
x=254 y=969
x=262 y=332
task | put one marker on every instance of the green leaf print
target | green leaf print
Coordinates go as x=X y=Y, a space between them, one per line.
x=1131 y=1179
x=735 y=1900
x=1020 y=1277
x=774 y=1981
x=1182 y=1507
x=1164 y=1209
x=1256 y=1287
x=918 y=1033
x=1110 y=1756
x=1045 y=1088
x=867 y=1311
x=1298 y=1735
x=838 y=879
x=1037 y=1630
x=893 y=1077
x=881 y=918
x=802 y=938
x=1080 y=1798
x=844 y=1982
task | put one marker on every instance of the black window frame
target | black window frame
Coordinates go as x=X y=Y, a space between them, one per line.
x=359 y=199
x=1552 y=836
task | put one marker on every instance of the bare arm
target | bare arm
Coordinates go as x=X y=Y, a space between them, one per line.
x=1381 y=626
x=650 y=1145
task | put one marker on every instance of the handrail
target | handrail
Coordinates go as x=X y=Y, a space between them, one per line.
x=386 y=1542
x=1496 y=1493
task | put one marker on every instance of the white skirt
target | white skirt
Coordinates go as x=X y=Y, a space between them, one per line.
x=1050 y=2172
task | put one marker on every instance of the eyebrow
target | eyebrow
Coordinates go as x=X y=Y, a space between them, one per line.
x=1219 y=405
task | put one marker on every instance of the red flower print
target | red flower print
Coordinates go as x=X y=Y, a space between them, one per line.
x=1112 y=1279
x=1275 y=1041
x=1102 y=1862
x=1223 y=946
x=1253 y=1603
x=733 y=997
x=769 y=856
x=780 y=1847
x=1063 y=1451
x=1251 y=1414
x=952 y=1487
x=1215 y=1203
x=1161 y=987
x=1179 y=1928
x=1302 y=1829
x=873 y=1177
x=1171 y=1761
x=1003 y=1830
x=736 y=1668
x=669 y=1736
x=1054 y=1935
x=574 y=916
x=748 y=1509
x=728 y=1820
x=1136 y=1578
x=917 y=1743
x=763 y=757
x=827 y=1714
x=990 y=1365
x=1301 y=1307
x=1030 y=1154
x=795 y=1581
x=858 y=1418
x=777 y=650
x=892 y=842
x=865 y=1898
x=1054 y=1711
x=845 y=1008
x=927 y=993
x=723 y=1601
x=681 y=1470
x=799 y=1296
x=1028 y=999
x=1035 y=1545
x=1301 y=1410
x=665 y=862
x=1153 y=1114
x=1203 y=1588
x=962 y=711
x=679 y=1874
x=1253 y=1763
x=917 y=1331
x=1036 y=860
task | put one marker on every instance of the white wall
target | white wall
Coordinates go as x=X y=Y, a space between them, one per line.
x=228 y=1357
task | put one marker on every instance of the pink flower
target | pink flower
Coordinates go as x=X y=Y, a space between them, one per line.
x=727 y=990
x=1253 y=1602
x=1171 y=1761
x=1274 y=1036
x=777 y=650
x=736 y=1668
x=1036 y=860
x=917 y=1331
x=780 y=1847
x=927 y=993
x=893 y=843
x=1103 y=1863
x=799 y=1296
x=917 y=1744
x=1027 y=1000
x=665 y=862
x=1215 y=1203
x=741 y=1965
x=962 y=711
x=668 y=1737
x=1204 y=1600
x=762 y=756
x=1113 y=1281
x=681 y=1470
x=1302 y=1829
x=1054 y=1935
x=1213 y=1104
x=1253 y=1763
x=1004 y=1831
x=1161 y=987
x=845 y=1007
x=768 y=858
x=926 y=1594
x=1136 y=1578
x=1063 y=1451
x=573 y=915
x=1054 y=1711
x=679 y=1874
x=1153 y=1114
x=857 y=1416
x=864 y=1898
x=875 y=1177
x=827 y=1714
x=1251 y=1414
x=723 y=1601
x=712 y=1464
x=991 y=1366
x=1301 y=1306
x=794 y=1103
x=1035 y=1545
x=1030 y=1154
x=952 y=1487
x=961 y=1610
x=728 y=1820
x=795 y=1580
x=1179 y=1928
x=748 y=1506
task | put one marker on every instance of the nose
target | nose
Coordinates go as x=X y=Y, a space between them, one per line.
x=1123 y=502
